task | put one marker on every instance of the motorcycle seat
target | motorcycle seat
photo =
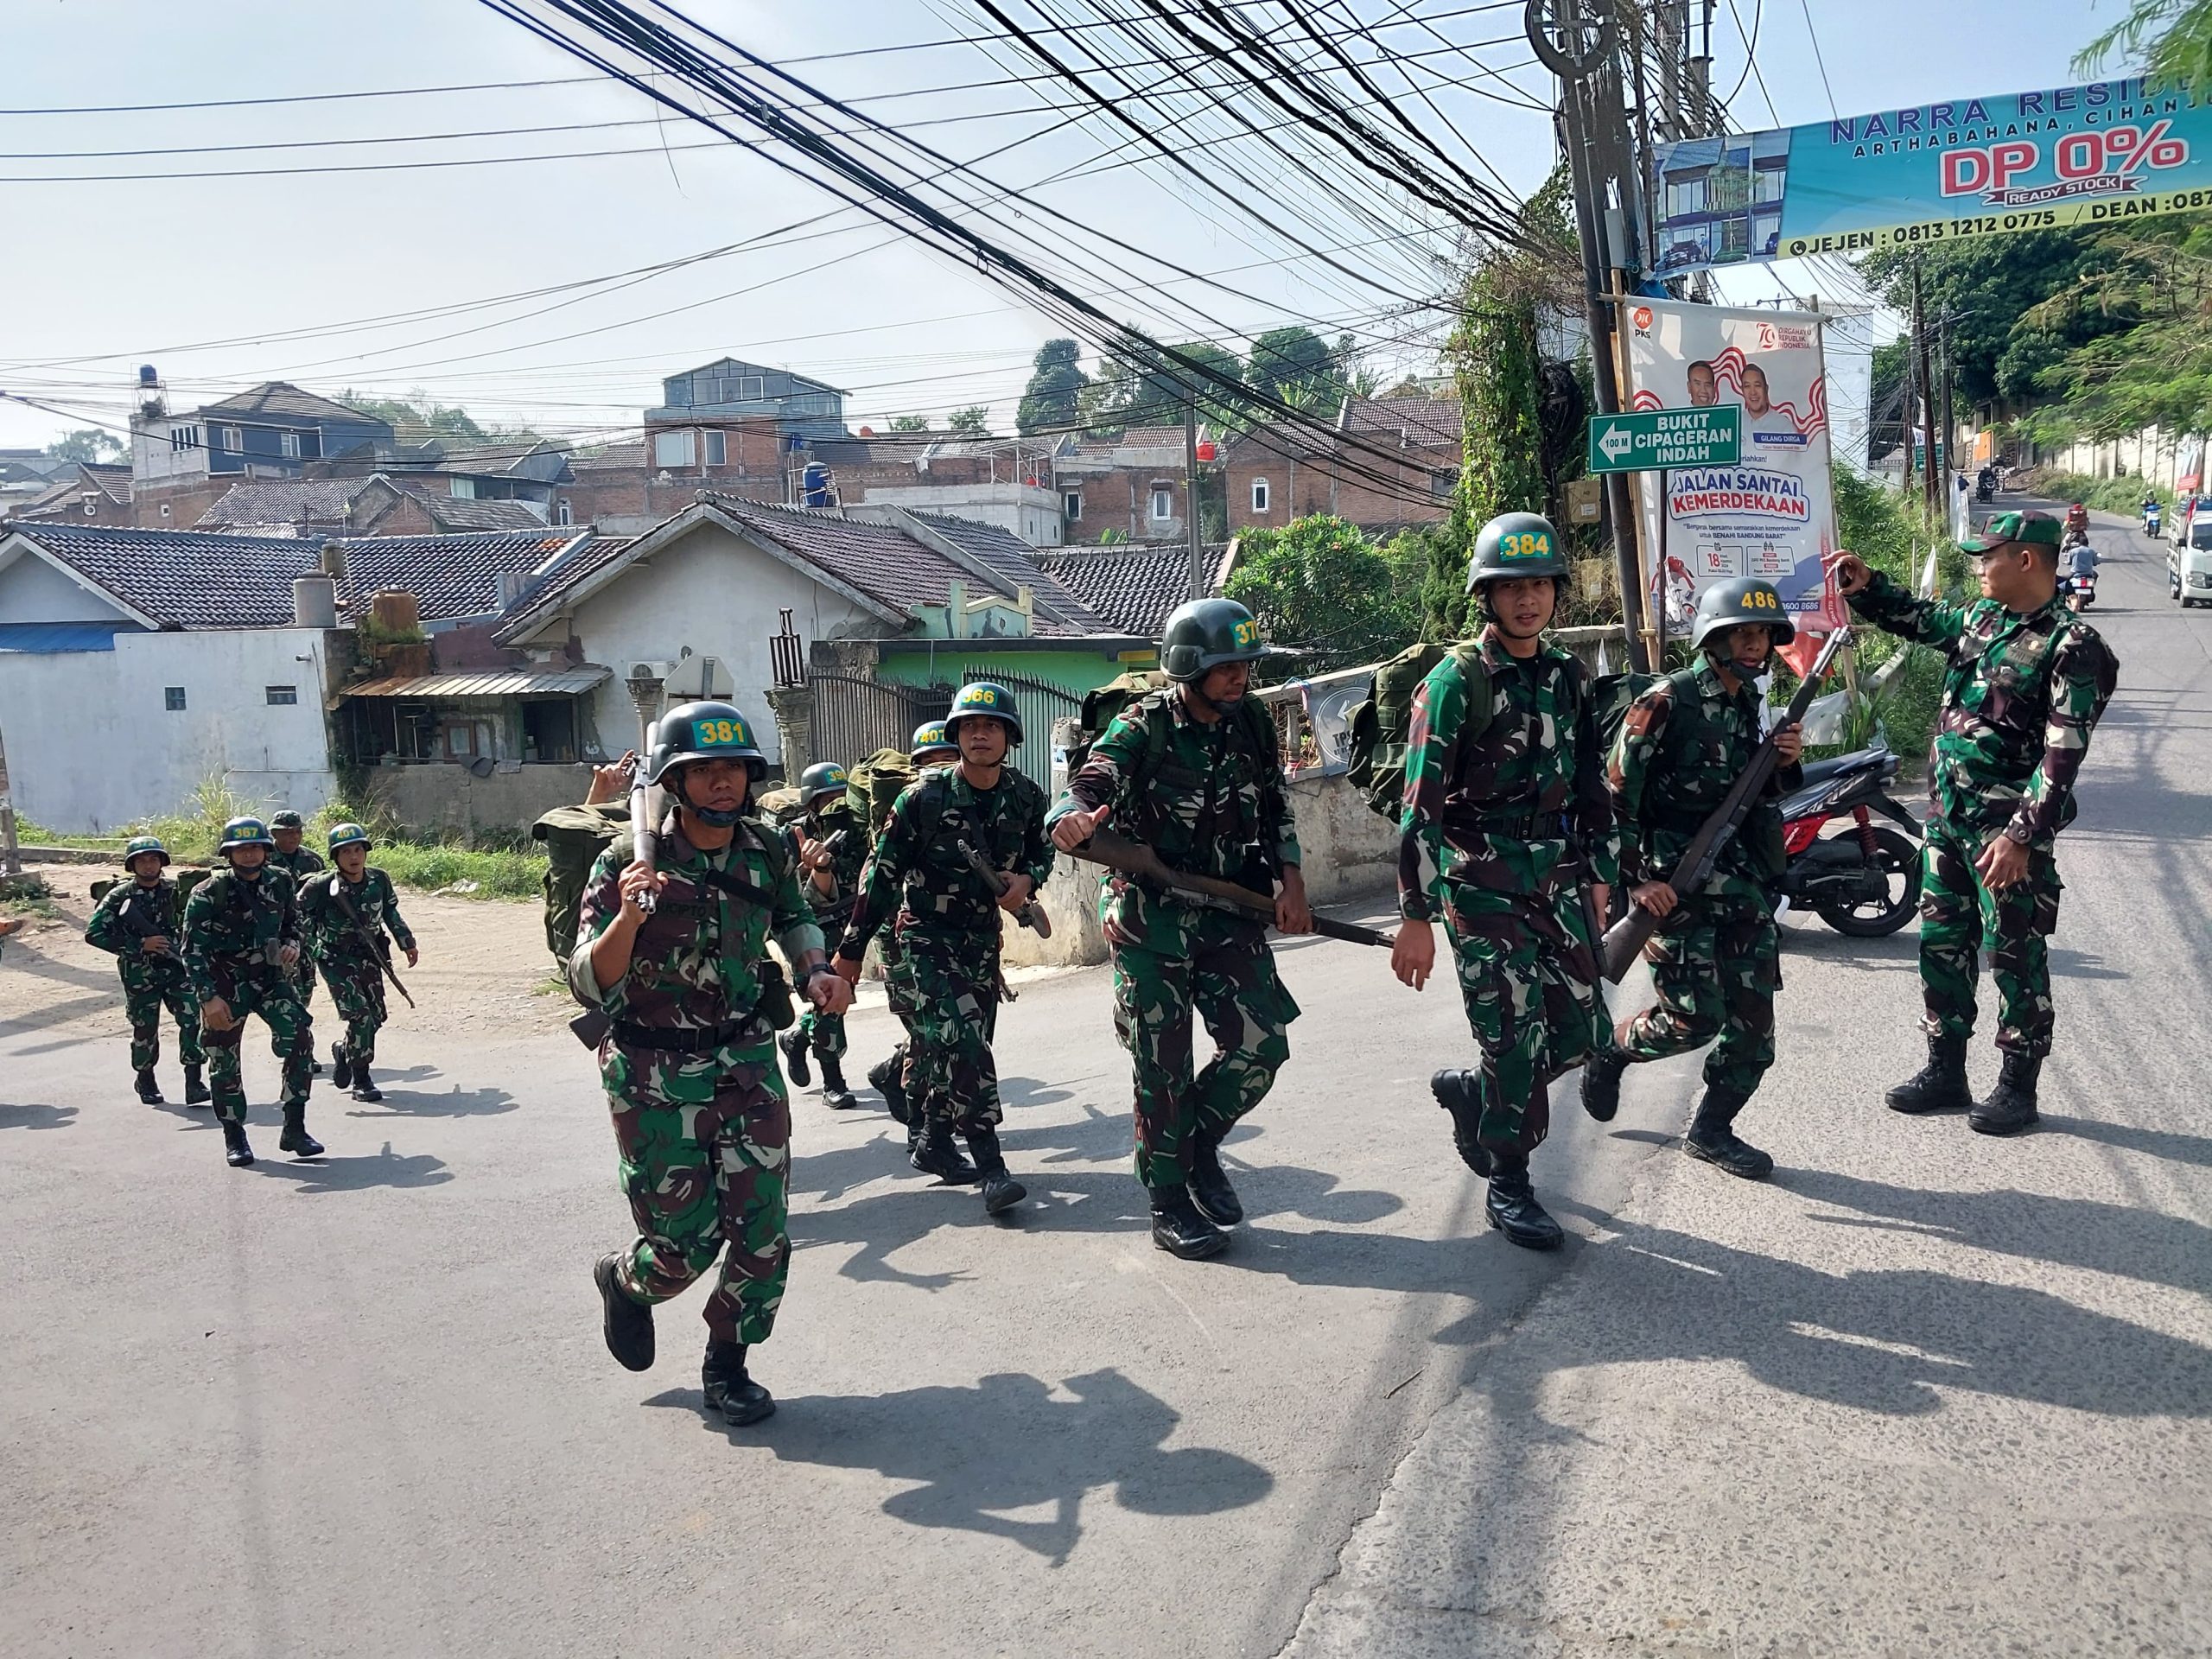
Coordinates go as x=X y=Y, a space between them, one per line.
x=1867 y=759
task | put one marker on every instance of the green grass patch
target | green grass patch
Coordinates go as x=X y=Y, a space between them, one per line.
x=27 y=896
x=2120 y=495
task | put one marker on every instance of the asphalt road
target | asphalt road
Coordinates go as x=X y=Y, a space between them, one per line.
x=1925 y=1393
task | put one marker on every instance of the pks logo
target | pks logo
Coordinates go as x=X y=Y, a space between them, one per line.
x=1642 y=317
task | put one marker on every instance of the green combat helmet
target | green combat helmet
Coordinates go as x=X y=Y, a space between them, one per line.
x=703 y=731
x=930 y=737
x=823 y=777
x=244 y=832
x=138 y=844
x=1513 y=545
x=1206 y=632
x=984 y=697
x=1739 y=600
x=348 y=835
x=287 y=819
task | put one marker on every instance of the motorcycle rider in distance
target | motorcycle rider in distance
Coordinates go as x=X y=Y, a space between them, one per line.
x=2079 y=573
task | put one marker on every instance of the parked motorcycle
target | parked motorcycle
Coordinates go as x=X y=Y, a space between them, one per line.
x=1864 y=880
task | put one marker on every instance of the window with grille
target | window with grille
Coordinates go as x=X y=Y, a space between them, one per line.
x=282 y=694
x=172 y=698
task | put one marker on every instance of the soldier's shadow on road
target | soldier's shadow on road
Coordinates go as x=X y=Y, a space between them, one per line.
x=400 y=1101
x=2160 y=1143
x=338 y=1173
x=982 y=1456
x=36 y=1117
x=1887 y=1340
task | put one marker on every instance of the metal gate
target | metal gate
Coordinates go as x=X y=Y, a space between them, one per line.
x=1039 y=703
x=855 y=717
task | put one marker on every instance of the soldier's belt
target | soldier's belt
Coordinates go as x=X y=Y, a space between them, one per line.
x=680 y=1039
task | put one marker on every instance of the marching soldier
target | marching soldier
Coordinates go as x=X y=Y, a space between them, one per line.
x=1716 y=958
x=832 y=842
x=1195 y=770
x=345 y=916
x=2026 y=683
x=287 y=829
x=672 y=951
x=930 y=748
x=140 y=923
x=1506 y=826
x=241 y=947
x=948 y=930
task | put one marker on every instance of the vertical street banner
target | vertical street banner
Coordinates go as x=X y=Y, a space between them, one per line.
x=1934 y=172
x=1770 y=514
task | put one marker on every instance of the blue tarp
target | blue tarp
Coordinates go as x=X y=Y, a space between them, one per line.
x=62 y=636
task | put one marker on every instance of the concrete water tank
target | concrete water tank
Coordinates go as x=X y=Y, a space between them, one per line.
x=315 y=602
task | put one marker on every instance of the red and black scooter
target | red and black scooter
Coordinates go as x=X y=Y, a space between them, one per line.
x=1864 y=878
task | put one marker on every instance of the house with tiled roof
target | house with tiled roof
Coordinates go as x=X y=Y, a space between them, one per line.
x=1135 y=586
x=185 y=461
x=1003 y=481
x=1131 y=487
x=85 y=492
x=1384 y=464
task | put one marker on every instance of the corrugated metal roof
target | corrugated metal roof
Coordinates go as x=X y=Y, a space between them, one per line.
x=487 y=683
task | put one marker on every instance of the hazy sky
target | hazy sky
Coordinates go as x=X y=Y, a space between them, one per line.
x=222 y=282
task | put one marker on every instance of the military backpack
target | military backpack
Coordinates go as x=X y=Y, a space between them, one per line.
x=1378 y=729
x=872 y=785
x=574 y=836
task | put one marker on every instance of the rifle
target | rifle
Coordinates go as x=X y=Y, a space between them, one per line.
x=1626 y=940
x=1030 y=915
x=645 y=834
x=1133 y=858
x=378 y=951
x=131 y=913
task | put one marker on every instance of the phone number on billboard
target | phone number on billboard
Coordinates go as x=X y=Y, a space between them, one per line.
x=2040 y=219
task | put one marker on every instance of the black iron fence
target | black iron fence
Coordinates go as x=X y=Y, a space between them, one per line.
x=854 y=717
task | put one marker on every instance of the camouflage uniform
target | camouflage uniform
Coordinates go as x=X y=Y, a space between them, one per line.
x=300 y=863
x=1501 y=831
x=127 y=914
x=1716 y=959
x=1210 y=799
x=701 y=1117
x=233 y=928
x=355 y=976
x=947 y=928
x=2021 y=694
x=826 y=1032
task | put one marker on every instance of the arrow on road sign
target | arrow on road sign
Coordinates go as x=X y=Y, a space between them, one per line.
x=1616 y=443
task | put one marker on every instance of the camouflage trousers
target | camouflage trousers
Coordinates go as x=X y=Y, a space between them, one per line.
x=954 y=987
x=148 y=988
x=1958 y=914
x=1716 y=964
x=705 y=1146
x=1220 y=965
x=357 y=993
x=826 y=1032
x=1527 y=975
x=291 y=1036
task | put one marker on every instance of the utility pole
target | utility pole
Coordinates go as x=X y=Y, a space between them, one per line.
x=1931 y=483
x=1198 y=584
x=11 y=858
x=1951 y=430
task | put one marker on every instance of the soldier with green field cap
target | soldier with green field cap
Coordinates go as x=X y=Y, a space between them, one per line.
x=1505 y=822
x=831 y=842
x=140 y=921
x=241 y=949
x=1195 y=770
x=2024 y=683
x=948 y=928
x=929 y=747
x=345 y=916
x=1716 y=958
x=672 y=950
x=290 y=854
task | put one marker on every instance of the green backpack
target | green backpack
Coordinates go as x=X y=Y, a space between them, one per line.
x=574 y=836
x=1102 y=703
x=872 y=785
x=1378 y=727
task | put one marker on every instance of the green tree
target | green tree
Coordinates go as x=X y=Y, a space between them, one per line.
x=973 y=422
x=418 y=418
x=1053 y=397
x=910 y=423
x=87 y=444
x=2170 y=39
x=1318 y=583
x=1295 y=357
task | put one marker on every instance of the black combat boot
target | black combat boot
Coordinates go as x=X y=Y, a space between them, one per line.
x=1001 y=1190
x=1601 y=1083
x=626 y=1323
x=195 y=1087
x=342 y=1068
x=1938 y=1086
x=883 y=1077
x=1459 y=1093
x=794 y=1045
x=149 y=1091
x=730 y=1390
x=1712 y=1136
x=296 y=1139
x=1210 y=1189
x=933 y=1152
x=2010 y=1106
x=834 y=1095
x=1179 y=1229
x=364 y=1086
x=235 y=1150
x=1512 y=1208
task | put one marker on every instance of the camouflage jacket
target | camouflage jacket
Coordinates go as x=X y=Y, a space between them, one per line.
x=917 y=870
x=847 y=860
x=129 y=913
x=1672 y=765
x=233 y=928
x=300 y=863
x=697 y=960
x=331 y=934
x=1519 y=806
x=2021 y=694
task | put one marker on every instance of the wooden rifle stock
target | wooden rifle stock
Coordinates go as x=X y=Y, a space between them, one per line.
x=1624 y=941
x=1133 y=858
x=1031 y=914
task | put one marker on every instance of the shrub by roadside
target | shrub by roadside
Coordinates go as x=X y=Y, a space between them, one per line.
x=2120 y=495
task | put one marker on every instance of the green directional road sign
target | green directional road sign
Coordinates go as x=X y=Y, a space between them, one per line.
x=1651 y=439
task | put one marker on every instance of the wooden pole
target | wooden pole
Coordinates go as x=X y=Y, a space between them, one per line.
x=11 y=857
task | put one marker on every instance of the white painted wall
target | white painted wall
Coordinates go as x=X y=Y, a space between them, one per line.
x=719 y=595
x=31 y=590
x=91 y=745
x=1031 y=514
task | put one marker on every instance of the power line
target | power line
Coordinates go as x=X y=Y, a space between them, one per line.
x=1814 y=35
